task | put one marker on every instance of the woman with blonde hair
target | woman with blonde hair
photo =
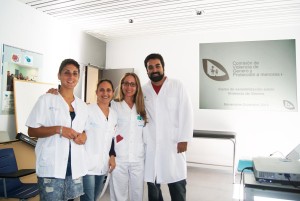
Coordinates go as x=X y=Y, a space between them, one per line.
x=128 y=175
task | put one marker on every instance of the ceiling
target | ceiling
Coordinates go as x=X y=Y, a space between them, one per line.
x=111 y=19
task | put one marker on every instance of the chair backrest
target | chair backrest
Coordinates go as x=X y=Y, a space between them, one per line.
x=8 y=164
x=8 y=161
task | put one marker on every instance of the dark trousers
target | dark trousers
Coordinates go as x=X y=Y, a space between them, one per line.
x=177 y=191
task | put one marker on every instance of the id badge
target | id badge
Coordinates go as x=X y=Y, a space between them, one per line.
x=140 y=120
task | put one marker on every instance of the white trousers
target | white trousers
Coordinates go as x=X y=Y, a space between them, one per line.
x=127 y=181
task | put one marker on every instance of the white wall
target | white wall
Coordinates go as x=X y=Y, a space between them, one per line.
x=24 y=27
x=259 y=133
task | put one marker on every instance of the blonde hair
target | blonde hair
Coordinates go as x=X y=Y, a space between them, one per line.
x=138 y=98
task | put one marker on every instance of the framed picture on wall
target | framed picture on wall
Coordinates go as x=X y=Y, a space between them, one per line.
x=17 y=64
x=250 y=75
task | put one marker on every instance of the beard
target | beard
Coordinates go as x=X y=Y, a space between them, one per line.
x=156 y=77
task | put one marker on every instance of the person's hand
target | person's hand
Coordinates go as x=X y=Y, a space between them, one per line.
x=112 y=163
x=80 y=139
x=52 y=91
x=69 y=133
x=181 y=147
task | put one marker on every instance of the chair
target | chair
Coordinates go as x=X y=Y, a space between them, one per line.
x=10 y=184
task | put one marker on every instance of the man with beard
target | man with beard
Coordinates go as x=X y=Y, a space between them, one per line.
x=166 y=136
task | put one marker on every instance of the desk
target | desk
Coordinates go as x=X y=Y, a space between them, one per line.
x=223 y=135
x=277 y=191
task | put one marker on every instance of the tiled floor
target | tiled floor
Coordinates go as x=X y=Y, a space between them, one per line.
x=203 y=184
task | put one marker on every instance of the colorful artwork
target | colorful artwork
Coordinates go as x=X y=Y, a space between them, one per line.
x=15 y=58
x=17 y=64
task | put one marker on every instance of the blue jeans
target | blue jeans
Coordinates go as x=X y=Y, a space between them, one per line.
x=92 y=187
x=177 y=191
x=59 y=189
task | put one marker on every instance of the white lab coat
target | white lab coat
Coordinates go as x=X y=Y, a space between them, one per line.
x=170 y=121
x=100 y=132
x=130 y=128
x=52 y=152
x=129 y=147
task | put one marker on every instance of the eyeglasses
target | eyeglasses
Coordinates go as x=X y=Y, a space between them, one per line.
x=132 y=84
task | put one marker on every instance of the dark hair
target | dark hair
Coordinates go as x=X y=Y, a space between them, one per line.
x=105 y=80
x=66 y=62
x=154 y=56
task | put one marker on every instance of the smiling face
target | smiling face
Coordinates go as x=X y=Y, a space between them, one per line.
x=129 y=86
x=69 y=76
x=104 y=93
x=155 y=70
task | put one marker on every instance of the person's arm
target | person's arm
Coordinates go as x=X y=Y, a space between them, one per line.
x=80 y=138
x=53 y=91
x=112 y=163
x=185 y=120
x=42 y=132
